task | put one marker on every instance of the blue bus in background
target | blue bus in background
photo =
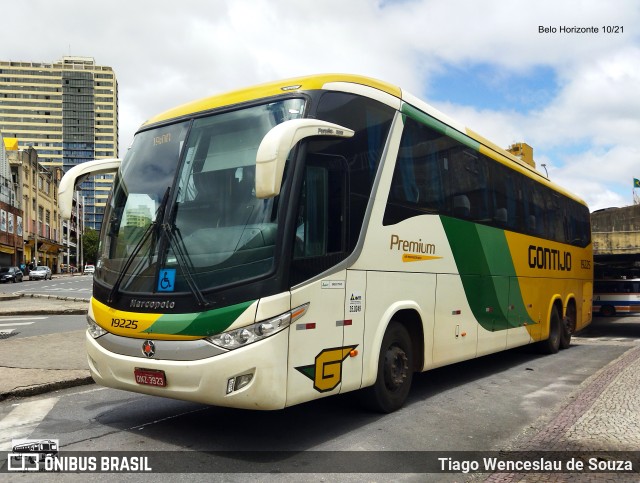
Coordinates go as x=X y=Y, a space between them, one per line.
x=616 y=297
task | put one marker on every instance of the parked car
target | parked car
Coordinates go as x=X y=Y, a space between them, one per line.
x=89 y=269
x=41 y=272
x=10 y=274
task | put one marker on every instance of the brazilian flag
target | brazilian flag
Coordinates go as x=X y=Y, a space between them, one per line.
x=636 y=183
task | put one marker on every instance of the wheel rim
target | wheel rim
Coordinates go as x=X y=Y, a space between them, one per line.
x=396 y=368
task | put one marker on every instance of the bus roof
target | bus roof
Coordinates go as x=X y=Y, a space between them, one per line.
x=323 y=81
x=268 y=90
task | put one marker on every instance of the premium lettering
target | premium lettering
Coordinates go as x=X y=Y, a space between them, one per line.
x=412 y=246
x=549 y=259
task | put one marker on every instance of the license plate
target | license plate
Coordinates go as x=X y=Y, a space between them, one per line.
x=150 y=377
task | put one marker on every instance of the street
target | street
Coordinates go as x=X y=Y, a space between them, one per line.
x=486 y=404
x=63 y=286
x=32 y=325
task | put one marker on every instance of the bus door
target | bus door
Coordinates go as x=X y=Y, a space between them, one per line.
x=525 y=311
x=492 y=310
x=316 y=342
x=455 y=335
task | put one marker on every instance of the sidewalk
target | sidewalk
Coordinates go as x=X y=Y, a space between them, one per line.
x=602 y=414
x=36 y=365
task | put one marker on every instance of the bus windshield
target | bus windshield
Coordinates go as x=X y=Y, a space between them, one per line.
x=202 y=220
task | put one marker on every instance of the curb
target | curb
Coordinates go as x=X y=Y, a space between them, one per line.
x=52 y=297
x=44 y=311
x=47 y=387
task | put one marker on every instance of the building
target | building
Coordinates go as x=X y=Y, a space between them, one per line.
x=524 y=152
x=616 y=242
x=68 y=112
x=36 y=194
x=11 y=217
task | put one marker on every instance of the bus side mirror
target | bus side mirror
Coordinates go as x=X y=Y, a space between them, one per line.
x=77 y=175
x=276 y=144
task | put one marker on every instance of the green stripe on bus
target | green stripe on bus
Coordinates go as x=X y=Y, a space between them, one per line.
x=203 y=324
x=486 y=273
x=442 y=128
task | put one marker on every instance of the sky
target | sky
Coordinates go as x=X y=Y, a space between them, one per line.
x=511 y=70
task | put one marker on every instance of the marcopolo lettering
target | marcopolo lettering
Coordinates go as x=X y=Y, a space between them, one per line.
x=411 y=245
x=549 y=259
x=152 y=304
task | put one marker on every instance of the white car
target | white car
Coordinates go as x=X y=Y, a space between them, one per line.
x=89 y=269
x=41 y=272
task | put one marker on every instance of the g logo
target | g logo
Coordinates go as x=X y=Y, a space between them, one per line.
x=326 y=373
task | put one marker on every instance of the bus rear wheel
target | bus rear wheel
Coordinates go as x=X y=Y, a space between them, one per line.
x=395 y=372
x=552 y=344
x=568 y=326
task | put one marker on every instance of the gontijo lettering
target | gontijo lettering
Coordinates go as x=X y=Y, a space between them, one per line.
x=549 y=259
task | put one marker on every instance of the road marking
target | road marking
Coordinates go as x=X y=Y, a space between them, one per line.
x=21 y=421
x=16 y=323
x=23 y=318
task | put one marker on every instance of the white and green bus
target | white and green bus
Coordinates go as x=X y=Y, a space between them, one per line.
x=320 y=235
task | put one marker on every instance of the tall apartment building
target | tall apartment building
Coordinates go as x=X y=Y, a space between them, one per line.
x=68 y=112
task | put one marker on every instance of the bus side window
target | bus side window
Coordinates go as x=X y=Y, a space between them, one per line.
x=418 y=185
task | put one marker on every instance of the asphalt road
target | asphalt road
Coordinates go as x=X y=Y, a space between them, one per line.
x=31 y=325
x=78 y=286
x=480 y=405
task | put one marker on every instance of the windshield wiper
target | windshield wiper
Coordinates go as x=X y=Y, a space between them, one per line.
x=152 y=228
x=184 y=261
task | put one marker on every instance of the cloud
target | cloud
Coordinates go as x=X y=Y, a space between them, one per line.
x=580 y=106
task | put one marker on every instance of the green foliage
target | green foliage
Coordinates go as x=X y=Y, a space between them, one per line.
x=90 y=245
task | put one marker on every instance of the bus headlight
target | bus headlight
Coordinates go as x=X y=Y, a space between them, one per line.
x=94 y=329
x=260 y=330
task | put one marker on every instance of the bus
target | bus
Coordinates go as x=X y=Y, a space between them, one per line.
x=616 y=297
x=34 y=450
x=320 y=235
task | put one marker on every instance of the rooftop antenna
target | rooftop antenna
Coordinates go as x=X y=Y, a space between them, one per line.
x=545 y=169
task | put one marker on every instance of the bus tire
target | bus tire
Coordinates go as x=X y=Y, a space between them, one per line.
x=395 y=372
x=565 y=333
x=607 y=311
x=552 y=344
x=568 y=325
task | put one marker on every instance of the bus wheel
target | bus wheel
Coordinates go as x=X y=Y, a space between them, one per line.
x=607 y=311
x=552 y=344
x=565 y=333
x=395 y=371
x=568 y=326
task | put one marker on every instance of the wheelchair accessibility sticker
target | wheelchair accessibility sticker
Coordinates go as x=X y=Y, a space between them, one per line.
x=166 y=280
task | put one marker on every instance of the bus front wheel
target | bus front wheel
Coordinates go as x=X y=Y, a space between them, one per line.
x=395 y=371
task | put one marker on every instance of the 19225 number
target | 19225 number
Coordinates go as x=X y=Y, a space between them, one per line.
x=124 y=323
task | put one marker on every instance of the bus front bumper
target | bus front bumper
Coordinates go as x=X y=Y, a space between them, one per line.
x=207 y=380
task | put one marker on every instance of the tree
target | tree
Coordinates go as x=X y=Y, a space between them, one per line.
x=90 y=246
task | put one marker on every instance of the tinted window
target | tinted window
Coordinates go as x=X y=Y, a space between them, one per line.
x=437 y=174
